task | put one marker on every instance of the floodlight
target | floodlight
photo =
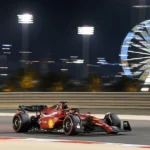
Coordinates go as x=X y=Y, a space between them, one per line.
x=141 y=6
x=5 y=48
x=79 y=61
x=3 y=74
x=145 y=89
x=51 y=61
x=25 y=19
x=7 y=52
x=86 y=30
x=6 y=45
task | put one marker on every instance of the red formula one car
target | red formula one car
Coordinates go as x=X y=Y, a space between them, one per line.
x=70 y=121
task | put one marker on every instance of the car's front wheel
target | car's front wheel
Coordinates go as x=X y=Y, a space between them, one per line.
x=70 y=123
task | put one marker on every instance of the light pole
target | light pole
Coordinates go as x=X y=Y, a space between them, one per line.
x=25 y=20
x=86 y=32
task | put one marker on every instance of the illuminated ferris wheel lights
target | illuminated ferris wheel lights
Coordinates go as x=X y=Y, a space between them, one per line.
x=141 y=6
x=136 y=45
x=137 y=38
x=144 y=42
x=137 y=73
x=145 y=61
x=135 y=53
x=144 y=89
x=127 y=68
x=135 y=65
x=123 y=55
x=129 y=42
x=148 y=26
x=137 y=31
x=144 y=67
x=125 y=46
x=147 y=81
x=138 y=52
x=123 y=65
x=137 y=58
x=145 y=49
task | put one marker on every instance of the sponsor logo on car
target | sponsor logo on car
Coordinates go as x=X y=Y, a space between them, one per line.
x=50 y=123
x=78 y=126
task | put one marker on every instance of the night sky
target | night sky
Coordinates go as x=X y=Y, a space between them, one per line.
x=55 y=27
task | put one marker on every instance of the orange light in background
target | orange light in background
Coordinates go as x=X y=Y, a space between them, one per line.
x=7 y=90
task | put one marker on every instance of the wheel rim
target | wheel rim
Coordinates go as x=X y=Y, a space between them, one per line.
x=67 y=125
x=16 y=123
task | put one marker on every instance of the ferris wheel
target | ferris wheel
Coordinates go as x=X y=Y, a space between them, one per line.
x=135 y=54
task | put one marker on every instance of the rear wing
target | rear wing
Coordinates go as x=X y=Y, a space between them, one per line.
x=32 y=108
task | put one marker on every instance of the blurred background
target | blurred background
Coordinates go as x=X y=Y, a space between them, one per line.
x=74 y=45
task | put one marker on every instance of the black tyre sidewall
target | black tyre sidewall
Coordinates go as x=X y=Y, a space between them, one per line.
x=25 y=122
x=71 y=125
x=114 y=118
x=72 y=130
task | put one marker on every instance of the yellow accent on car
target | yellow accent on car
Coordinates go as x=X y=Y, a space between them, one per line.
x=51 y=123
x=96 y=119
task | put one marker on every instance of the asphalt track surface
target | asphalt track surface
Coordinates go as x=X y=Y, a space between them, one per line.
x=140 y=134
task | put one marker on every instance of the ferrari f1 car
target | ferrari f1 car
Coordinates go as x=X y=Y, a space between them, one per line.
x=69 y=121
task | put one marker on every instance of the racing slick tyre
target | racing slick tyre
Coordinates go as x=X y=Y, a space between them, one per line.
x=69 y=124
x=21 y=122
x=112 y=120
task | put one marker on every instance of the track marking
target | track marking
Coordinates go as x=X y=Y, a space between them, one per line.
x=72 y=141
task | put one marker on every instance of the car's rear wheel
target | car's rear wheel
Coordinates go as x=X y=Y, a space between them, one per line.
x=21 y=122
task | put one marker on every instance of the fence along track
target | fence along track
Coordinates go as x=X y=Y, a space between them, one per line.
x=75 y=99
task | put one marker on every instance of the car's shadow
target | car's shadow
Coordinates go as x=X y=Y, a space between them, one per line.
x=80 y=135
